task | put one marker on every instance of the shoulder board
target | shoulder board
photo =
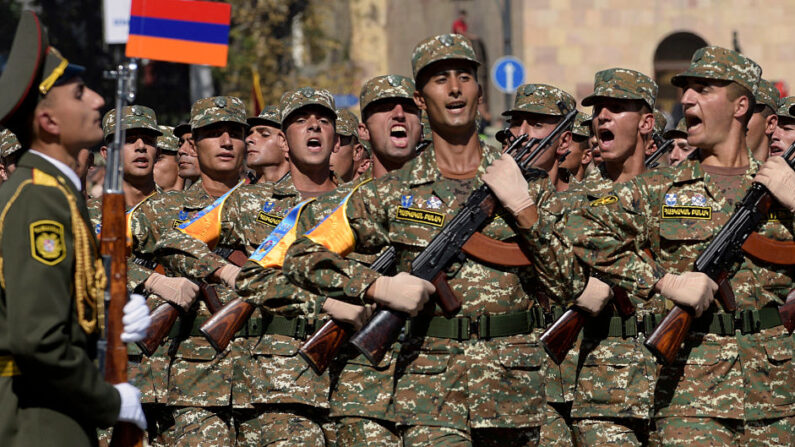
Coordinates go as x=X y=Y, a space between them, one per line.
x=42 y=178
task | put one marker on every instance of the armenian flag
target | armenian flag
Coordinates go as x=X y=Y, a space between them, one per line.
x=186 y=31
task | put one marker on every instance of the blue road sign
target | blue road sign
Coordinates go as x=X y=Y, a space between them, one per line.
x=507 y=73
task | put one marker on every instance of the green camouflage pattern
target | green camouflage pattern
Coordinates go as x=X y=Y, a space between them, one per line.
x=363 y=432
x=622 y=83
x=202 y=426
x=440 y=382
x=305 y=96
x=8 y=143
x=555 y=432
x=660 y=121
x=746 y=377
x=167 y=142
x=698 y=432
x=786 y=107
x=680 y=131
x=276 y=426
x=542 y=99
x=217 y=109
x=767 y=94
x=390 y=86
x=582 y=125
x=347 y=124
x=440 y=48
x=721 y=64
x=481 y=437
x=600 y=432
x=270 y=115
x=134 y=117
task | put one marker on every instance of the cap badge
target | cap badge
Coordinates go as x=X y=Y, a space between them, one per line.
x=220 y=102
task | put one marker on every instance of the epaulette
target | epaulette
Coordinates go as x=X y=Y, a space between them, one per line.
x=44 y=179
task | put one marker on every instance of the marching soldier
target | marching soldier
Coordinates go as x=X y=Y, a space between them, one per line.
x=265 y=146
x=784 y=134
x=580 y=154
x=763 y=122
x=51 y=279
x=347 y=161
x=186 y=155
x=681 y=149
x=166 y=166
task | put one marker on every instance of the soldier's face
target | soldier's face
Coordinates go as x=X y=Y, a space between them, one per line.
x=394 y=128
x=166 y=170
x=783 y=136
x=341 y=161
x=71 y=111
x=680 y=151
x=311 y=137
x=618 y=125
x=264 y=146
x=450 y=95
x=708 y=112
x=186 y=157
x=220 y=148
x=139 y=153
x=536 y=125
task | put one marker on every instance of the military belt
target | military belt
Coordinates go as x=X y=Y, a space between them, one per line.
x=481 y=327
x=624 y=327
x=551 y=316
x=8 y=367
x=297 y=327
x=748 y=321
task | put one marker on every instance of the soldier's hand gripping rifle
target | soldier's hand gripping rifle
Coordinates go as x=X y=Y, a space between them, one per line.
x=431 y=264
x=165 y=316
x=663 y=146
x=723 y=251
x=113 y=246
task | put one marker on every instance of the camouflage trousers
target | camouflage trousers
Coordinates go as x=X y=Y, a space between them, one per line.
x=556 y=430
x=698 y=432
x=285 y=425
x=195 y=426
x=363 y=432
x=619 y=432
x=159 y=419
x=423 y=435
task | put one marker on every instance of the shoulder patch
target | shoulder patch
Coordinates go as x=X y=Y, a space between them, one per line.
x=47 y=244
x=606 y=200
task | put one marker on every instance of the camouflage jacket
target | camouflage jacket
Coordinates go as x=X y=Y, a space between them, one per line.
x=495 y=382
x=675 y=212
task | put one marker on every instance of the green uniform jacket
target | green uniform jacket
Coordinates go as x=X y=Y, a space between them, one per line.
x=56 y=395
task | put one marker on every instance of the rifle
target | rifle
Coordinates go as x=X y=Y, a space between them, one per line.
x=165 y=316
x=787 y=312
x=715 y=261
x=113 y=247
x=383 y=329
x=663 y=146
x=327 y=341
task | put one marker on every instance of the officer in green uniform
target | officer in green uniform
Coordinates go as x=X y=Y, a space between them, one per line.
x=763 y=122
x=51 y=277
x=265 y=146
x=484 y=386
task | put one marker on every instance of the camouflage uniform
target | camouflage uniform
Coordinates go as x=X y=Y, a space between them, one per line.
x=288 y=403
x=785 y=107
x=167 y=142
x=448 y=383
x=347 y=124
x=680 y=131
x=734 y=376
x=660 y=122
x=767 y=95
x=8 y=144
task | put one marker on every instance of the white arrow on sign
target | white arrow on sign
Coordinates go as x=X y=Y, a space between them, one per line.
x=509 y=69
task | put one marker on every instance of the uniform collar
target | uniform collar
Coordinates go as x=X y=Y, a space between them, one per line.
x=423 y=168
x=62 y=168
x=690 y=170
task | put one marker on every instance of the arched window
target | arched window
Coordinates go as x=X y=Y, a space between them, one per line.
x=671 y=57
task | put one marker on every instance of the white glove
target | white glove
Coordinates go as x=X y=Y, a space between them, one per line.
x=179 y=291
x=130 y=410
x=228 y=274
x=779 y=178
x=136 y=319
x=692 y=289
x=352 y=314
x=594 y=297
x=402 y=292
x=507 y=183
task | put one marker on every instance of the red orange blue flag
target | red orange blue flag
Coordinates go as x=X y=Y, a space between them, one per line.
x=186 y=31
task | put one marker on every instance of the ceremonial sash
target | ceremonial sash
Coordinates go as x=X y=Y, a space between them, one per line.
x=271 y=251
x=334 y=232
x=206 y=225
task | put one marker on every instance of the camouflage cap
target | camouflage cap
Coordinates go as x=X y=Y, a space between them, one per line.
x=622 y=83
x=439 y=48
x=8 y=143
x=217 y=109
x=721 y=64
x=542 y=99
x=134 y=117
x=680 y=131
x=660 y=121
x=270 y=116
x=767 y=94
x=385 y=87
x=347 y=124
x=786 y=107
x=167 y=142
x=181 y=129
x=582 y=125
x=306 y=96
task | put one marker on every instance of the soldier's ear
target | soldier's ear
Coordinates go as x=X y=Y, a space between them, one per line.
x=336 y=147
x=364 y=132
x=104 y=152
x=564 y=143
x=646 y=124
x=770 y=124
x=480 y=94
x=587 y=157
x=419 y=100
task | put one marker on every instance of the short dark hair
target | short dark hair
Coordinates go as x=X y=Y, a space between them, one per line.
x=734 y=91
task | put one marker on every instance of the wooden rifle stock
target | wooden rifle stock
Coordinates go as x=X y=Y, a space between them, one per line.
x=560 y=337
x=220 y=329
x=324 y=345
x=445 y=297
x=377 y=336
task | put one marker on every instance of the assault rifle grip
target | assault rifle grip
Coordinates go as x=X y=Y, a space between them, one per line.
x=377 y=336
x=163 y=319
x=669 y=335
x=222 y=326
x=210 y=297
x=726 y=294
x=446 y=298
x=324 y=345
